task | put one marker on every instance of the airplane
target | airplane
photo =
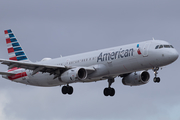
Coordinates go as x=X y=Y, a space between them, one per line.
x=130 y=62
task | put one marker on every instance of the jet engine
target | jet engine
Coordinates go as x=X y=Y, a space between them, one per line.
x=136 y=78
x=75 y=74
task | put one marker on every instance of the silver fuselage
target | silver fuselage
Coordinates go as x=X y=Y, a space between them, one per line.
x=108 y=63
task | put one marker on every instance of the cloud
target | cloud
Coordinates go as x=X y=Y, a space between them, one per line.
x=3 y=102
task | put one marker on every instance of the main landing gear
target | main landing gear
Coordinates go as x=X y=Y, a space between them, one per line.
x=109 y=91
x=67 y=89
x=156 y=79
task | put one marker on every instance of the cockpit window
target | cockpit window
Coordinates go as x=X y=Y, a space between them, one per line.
x=157 y=47
x=161 y=46
x=166 y=46
x=171 y=46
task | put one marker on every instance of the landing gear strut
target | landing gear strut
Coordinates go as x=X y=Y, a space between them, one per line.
x=67 y=89
x=109 y=91
x=156 y=79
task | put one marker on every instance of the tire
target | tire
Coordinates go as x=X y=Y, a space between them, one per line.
x=112 y=91
x=70 y=90
x=106 y=92
x=158 y=79
x=155 y=79
x=64 y=89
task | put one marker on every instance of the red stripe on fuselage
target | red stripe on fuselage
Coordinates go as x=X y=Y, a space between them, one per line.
x=16 y=76
x=15 y=68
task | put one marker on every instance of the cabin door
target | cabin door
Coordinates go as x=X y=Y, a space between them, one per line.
x=145 y=49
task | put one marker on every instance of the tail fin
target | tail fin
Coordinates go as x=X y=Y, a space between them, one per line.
x=15 y=51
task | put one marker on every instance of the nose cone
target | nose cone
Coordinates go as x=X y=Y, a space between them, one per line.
x=173 y=55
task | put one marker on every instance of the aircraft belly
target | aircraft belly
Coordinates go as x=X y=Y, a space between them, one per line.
x=101 y=70
x=43 y=79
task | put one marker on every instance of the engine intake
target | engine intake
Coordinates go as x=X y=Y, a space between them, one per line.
x=138 y=78
x=82 y=74
x=76 y=74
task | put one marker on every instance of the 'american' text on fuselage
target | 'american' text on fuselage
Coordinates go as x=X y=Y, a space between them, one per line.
x=115 y=55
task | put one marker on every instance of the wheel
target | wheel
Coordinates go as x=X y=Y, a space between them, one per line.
x=112 y=91
x=156 y=79
x=106 y=91
x=70 y=90
x=64 y=89
x=109 y=91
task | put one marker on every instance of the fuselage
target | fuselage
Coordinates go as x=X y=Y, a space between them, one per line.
x=108 y=63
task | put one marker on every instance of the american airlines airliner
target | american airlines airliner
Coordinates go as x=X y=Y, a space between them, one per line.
x=130 y=62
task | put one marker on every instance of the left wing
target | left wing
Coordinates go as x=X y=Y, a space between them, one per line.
x=52 y=69
x=33 y=66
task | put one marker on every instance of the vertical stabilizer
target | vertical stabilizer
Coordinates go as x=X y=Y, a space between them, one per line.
x=15 y=51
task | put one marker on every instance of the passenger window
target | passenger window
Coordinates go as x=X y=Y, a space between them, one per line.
x=157 y=47
x=161 y=46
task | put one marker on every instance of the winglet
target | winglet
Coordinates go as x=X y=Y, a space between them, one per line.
x=15 y=51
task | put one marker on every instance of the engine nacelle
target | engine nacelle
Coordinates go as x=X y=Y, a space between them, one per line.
x=75 y=74
x=138 y=78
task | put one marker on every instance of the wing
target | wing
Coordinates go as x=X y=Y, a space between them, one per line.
x=36 y=67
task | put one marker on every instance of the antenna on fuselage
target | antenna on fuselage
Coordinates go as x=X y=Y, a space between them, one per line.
x=153 y=38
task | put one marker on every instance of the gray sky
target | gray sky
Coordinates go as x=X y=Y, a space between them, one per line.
x=63 y=27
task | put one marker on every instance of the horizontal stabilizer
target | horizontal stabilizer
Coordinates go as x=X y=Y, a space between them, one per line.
x=7 y=73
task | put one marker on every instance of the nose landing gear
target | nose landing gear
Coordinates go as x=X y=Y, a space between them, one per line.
x=156 y=79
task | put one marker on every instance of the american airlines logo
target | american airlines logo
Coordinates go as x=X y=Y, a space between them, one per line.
x=138 y=49
x=115 y=55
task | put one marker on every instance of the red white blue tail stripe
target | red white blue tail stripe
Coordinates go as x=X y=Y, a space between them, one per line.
x=15 y=51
